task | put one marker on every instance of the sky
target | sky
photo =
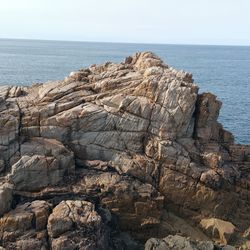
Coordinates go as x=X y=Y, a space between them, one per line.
x=222 y=22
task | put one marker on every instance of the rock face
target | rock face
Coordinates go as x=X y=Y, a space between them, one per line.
x=43 y=163
x=135 y=139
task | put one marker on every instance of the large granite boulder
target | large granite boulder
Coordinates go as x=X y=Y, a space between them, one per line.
x=76 y=225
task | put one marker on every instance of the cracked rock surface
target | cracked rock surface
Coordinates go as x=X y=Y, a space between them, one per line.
x=116 y=154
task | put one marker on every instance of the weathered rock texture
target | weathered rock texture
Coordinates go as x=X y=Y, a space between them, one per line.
x=135 y=139
x=177 y=243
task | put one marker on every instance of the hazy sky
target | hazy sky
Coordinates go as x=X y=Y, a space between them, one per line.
x=146 y=21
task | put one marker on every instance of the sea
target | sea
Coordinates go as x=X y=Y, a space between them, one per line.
x=222 y=70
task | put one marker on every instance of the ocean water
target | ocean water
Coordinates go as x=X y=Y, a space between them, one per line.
x=222 y=70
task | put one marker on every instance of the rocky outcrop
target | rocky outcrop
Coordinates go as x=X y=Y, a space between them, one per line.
x=135 y=139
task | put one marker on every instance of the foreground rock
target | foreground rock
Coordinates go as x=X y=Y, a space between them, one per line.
x=5 y=197
x=25 y=226
x=76 y=225
x=181 y=243
x=135 y=139
x=71 y=225
x=177 y=243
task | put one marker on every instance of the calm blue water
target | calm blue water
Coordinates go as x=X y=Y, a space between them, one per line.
x=223 y=70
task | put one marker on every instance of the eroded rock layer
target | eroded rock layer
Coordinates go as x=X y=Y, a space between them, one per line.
x=115 y=149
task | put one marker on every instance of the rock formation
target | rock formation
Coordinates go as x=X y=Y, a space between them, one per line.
x=177 y=243
x=116 y=154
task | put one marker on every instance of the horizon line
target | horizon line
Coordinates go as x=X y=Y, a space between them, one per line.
x=120 y=42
